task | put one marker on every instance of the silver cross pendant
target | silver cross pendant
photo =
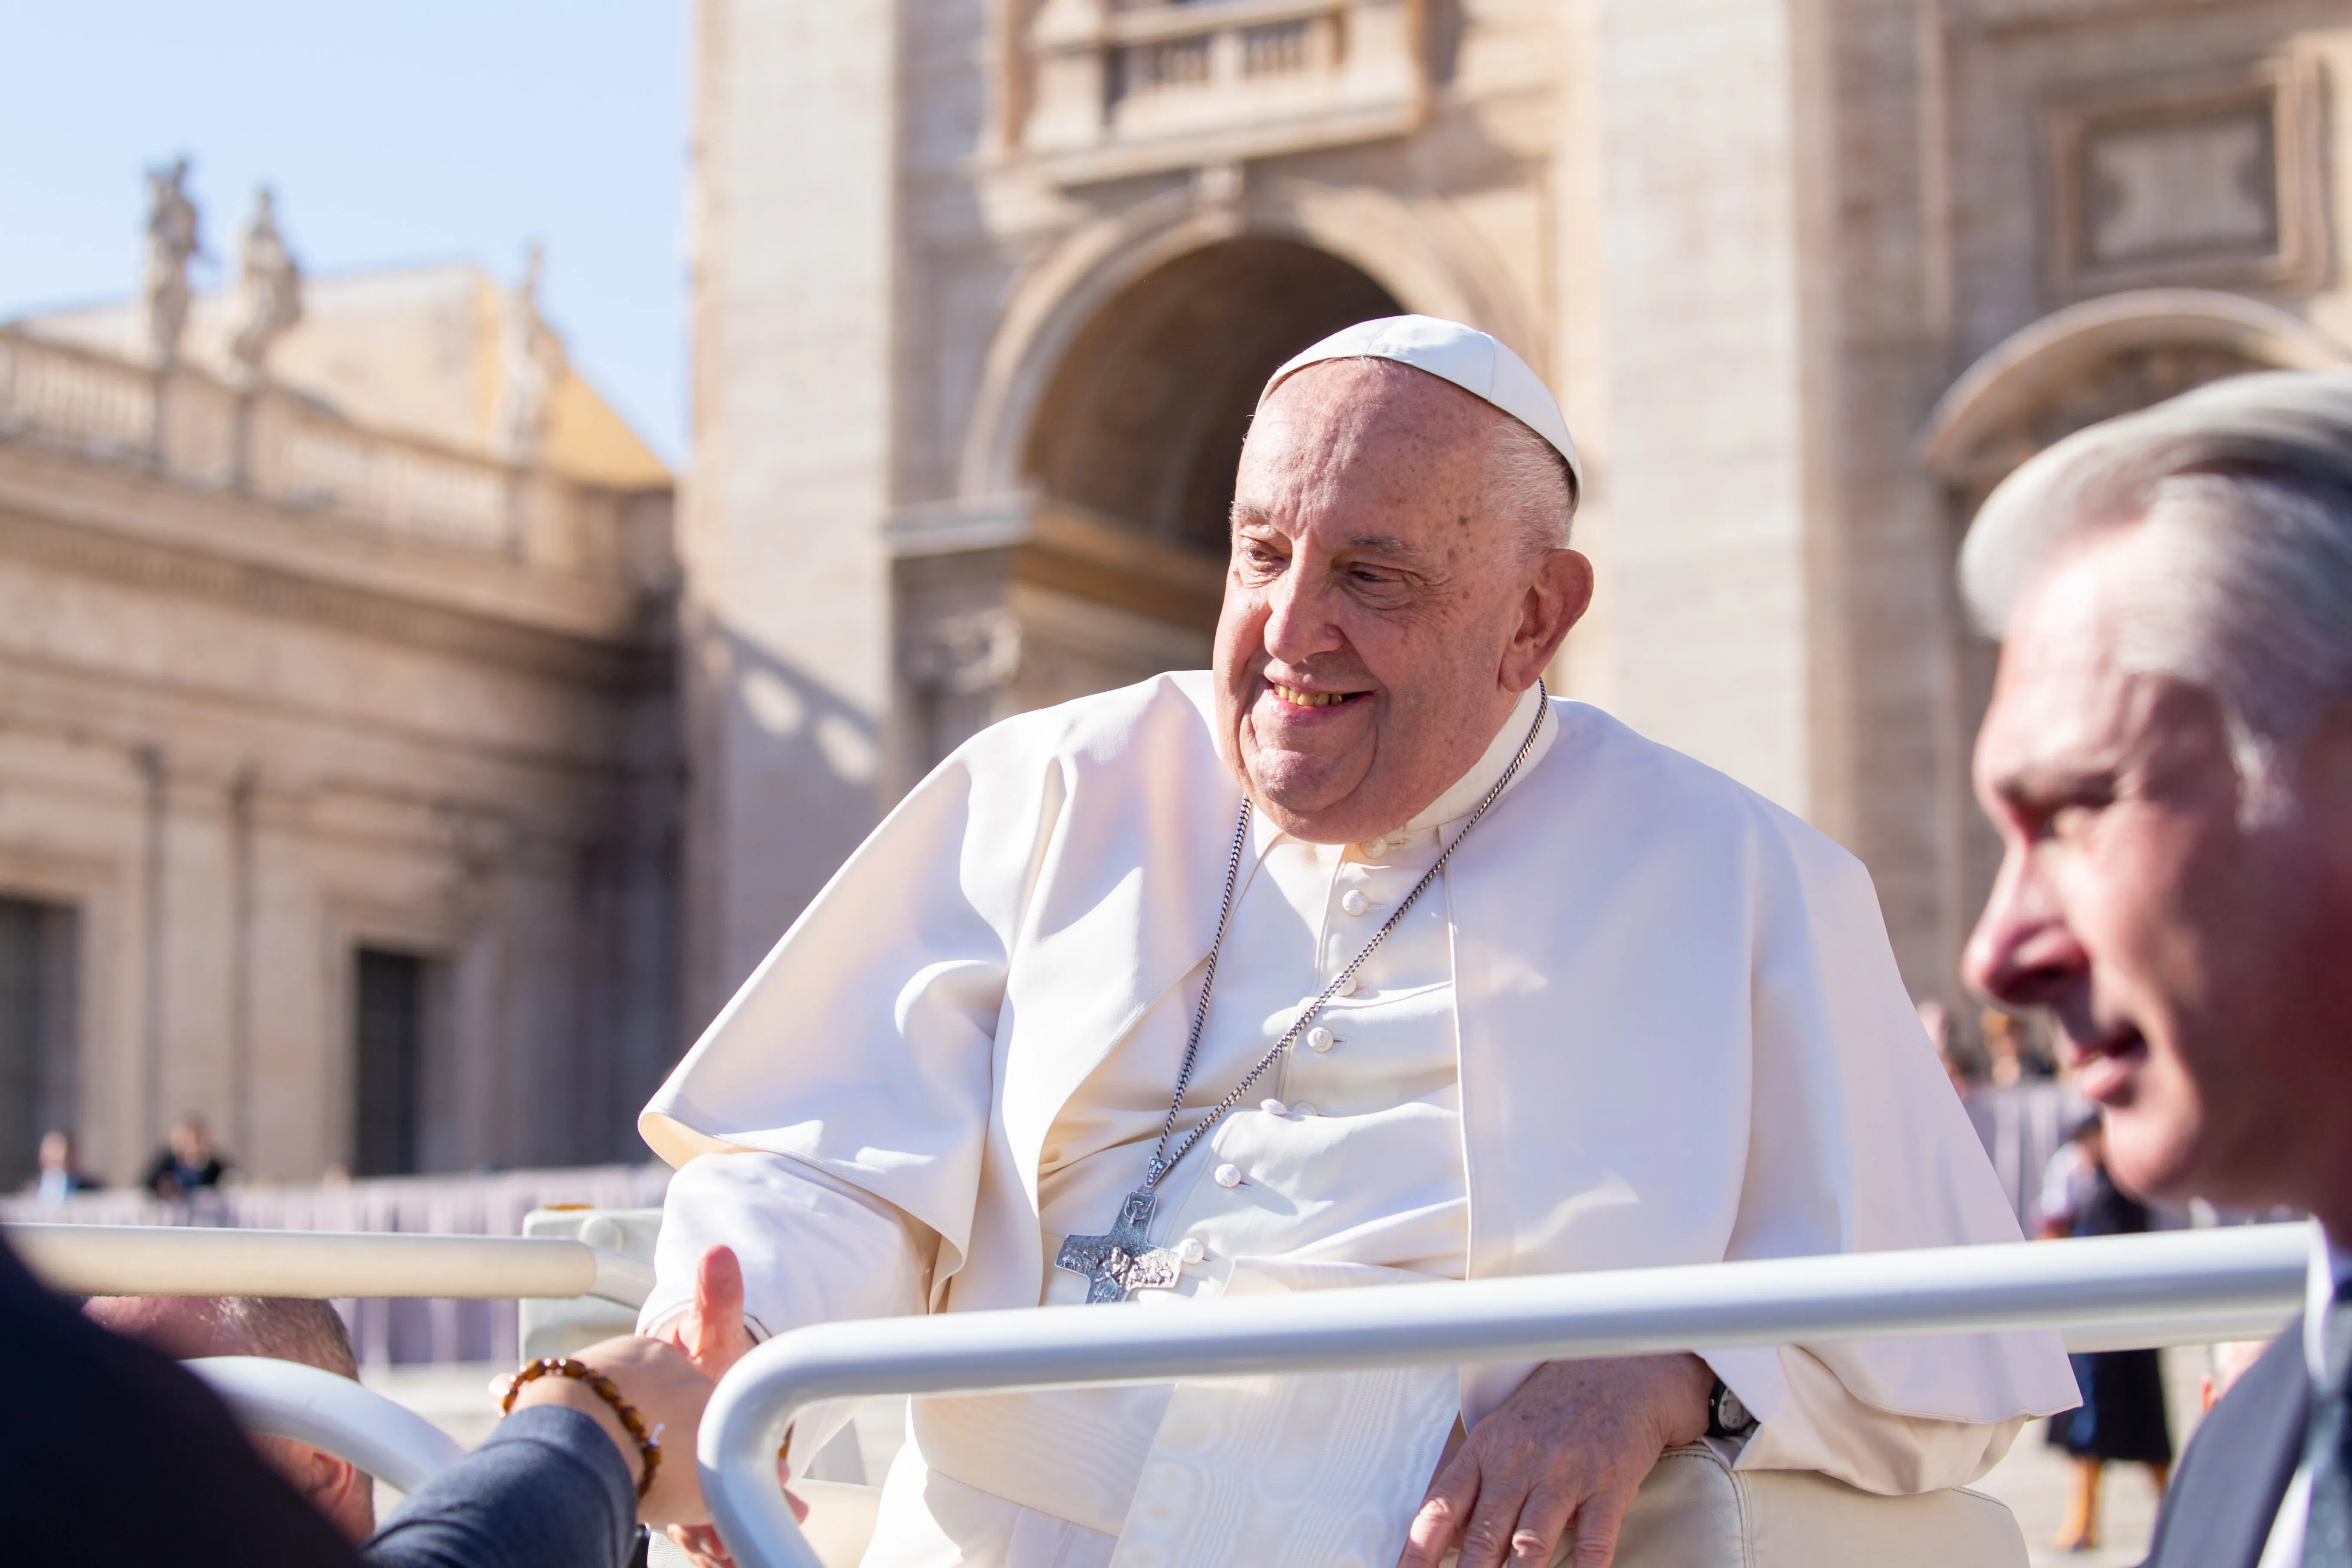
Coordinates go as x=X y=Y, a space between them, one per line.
x=1117 y=1264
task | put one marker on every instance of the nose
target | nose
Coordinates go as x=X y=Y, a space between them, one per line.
x=2023 y=953
x=1298 y=624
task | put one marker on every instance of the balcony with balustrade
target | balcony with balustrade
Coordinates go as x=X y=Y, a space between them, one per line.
x=1118 y=87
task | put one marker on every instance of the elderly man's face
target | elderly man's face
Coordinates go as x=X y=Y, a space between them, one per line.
x=2195 y=964
x=1378 y=623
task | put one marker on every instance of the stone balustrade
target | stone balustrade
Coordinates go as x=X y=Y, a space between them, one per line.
x=191 y=427
x=1116 y=90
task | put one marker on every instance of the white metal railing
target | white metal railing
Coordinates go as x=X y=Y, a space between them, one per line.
x=180 y=1261
x=2214 y=1283
x=286 y=1399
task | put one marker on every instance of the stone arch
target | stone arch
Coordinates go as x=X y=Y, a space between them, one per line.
x=1417 y=254
x=2101 y=358
x=1142 y=422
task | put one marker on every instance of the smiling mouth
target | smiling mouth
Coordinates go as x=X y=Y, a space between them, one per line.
x=1292 y=697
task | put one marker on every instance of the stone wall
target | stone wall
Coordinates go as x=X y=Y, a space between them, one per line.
x=245 y=732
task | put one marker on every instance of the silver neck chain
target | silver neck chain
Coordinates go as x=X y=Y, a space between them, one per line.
x=1162 y=1159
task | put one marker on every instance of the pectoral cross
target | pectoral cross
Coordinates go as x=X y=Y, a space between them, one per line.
x=1117 y=1264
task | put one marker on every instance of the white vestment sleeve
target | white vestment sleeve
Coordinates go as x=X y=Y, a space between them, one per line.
x=814 y=1248
x=1825 y=1429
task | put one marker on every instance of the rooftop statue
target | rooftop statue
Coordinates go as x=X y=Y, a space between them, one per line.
x=170 y=242
x=269 y=291
x=530 y=360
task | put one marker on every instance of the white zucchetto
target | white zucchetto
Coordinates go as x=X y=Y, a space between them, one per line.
x=1477 y=363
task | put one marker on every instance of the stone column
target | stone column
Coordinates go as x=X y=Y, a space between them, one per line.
x=787 y=586
x=1717 y=280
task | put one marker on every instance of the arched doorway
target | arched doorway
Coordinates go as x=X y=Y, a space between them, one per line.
x=1142 y=424
x=1109 y=564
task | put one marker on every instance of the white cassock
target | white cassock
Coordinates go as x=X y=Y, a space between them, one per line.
x=1643 y=1018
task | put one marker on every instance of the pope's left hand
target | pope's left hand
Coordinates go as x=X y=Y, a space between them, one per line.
x=1571 y=1446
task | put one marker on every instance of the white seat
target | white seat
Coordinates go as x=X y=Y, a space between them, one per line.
x=1696 y=1512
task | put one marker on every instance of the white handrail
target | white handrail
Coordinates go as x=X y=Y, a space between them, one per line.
x=286 y=1399
x=200 y=1261
x=2138 y=1282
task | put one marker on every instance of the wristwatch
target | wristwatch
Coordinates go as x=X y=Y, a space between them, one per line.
x=1726 y=1416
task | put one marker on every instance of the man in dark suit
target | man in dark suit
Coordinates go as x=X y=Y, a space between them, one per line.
x=2168 y=758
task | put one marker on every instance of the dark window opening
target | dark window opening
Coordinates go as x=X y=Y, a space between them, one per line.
x=37 y=993
x=392 y=1029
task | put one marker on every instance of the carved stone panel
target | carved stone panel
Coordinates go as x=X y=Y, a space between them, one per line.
x=2208 y=180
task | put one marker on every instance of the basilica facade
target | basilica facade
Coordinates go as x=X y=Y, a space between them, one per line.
x=390 y=774
x=984 y=291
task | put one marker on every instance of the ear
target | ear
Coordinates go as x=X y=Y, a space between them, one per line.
x=1557 y=596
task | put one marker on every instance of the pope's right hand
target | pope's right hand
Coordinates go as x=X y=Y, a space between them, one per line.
x=712 y=1331
x=714 y=1335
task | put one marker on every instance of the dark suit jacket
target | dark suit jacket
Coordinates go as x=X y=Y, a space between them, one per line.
x=110 y=1453
x=2222 y=1501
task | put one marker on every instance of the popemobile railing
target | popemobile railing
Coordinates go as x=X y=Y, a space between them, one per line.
x=2110 y=1293
x=2117 y=1293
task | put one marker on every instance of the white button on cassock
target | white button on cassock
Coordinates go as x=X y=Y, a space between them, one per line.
x=1319 y=1038
x=1229 y=1175
x=1191 y=1250
x=1274 y=1107
x=1302 y=1109
x=1354 y=902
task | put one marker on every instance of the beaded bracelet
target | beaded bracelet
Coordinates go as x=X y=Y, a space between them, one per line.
x=603 y=1388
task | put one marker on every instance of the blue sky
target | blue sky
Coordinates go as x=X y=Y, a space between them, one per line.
x=420 y=131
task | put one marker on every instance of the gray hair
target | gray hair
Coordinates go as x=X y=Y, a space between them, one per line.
x=2243 y=491
x=1527 y=481
x=291 y=1328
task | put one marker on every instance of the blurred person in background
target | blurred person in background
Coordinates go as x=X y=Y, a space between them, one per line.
x=60 y=1176
x=2167 y=759
x=2122 y=1416
x=285 y=1327
x=187 y=1162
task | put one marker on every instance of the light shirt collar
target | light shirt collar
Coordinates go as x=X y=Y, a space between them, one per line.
x=1462 y=797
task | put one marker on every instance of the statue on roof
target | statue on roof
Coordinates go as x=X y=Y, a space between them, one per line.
x=172 y=243
x=269 y=291
x=531 y=362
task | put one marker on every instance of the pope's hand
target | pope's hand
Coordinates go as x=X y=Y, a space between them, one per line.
x=714 y=1333
x=1571 y=1446
x=713 y=1330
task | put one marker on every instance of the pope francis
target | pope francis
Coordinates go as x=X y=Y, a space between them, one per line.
x=1356 y=960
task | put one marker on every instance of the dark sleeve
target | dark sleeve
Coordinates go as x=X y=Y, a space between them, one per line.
x=547 y=1491
x=112 y=1453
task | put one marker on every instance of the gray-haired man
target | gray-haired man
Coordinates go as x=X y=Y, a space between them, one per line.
x=2168 y=759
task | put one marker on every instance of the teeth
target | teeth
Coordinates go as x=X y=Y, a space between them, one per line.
x=1298 y=698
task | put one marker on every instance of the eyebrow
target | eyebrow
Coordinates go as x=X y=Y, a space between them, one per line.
x=1379 y=544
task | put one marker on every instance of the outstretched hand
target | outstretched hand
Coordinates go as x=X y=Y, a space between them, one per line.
x=1570 y=1448
x=715 y=1334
